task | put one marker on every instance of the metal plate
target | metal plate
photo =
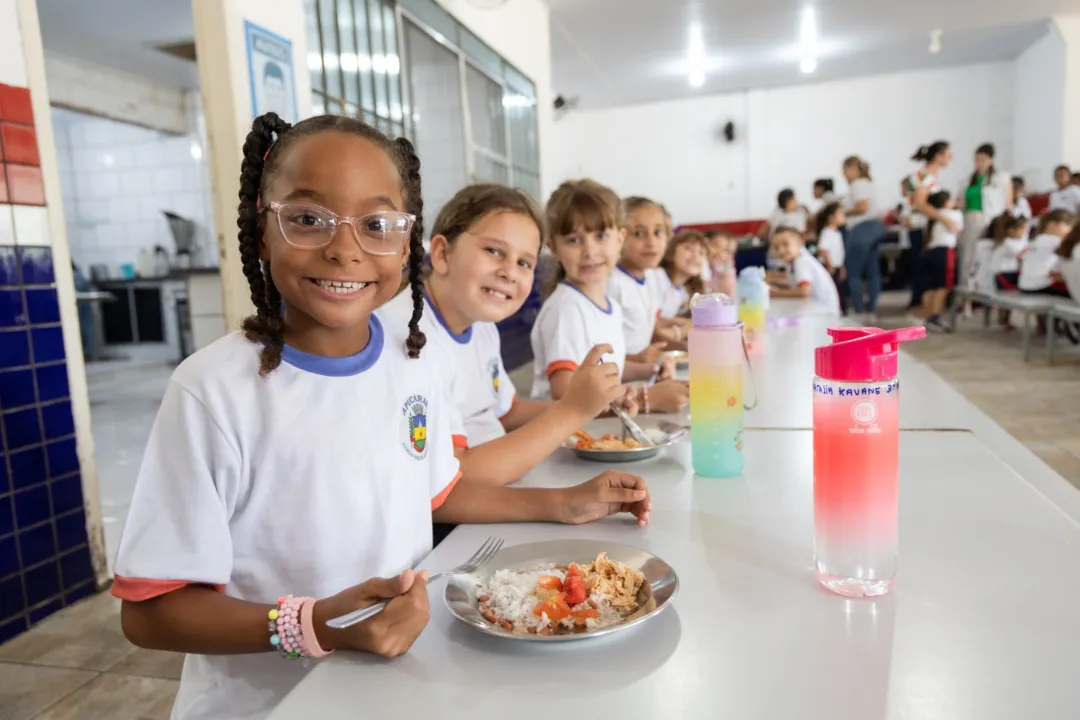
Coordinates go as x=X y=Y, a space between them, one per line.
x=629 y=455
x=681 y=358
x=659 y=589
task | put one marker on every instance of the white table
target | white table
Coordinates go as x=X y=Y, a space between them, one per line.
x=982 y=623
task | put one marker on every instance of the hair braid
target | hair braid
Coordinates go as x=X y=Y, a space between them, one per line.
x=415 y=201
x=266 y=326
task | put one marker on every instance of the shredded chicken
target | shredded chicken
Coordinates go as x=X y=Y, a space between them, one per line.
x=616 y=582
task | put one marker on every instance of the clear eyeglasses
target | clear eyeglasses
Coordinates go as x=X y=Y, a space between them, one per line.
x=383 y=232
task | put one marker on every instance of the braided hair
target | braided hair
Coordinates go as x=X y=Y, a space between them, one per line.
x=263 y=148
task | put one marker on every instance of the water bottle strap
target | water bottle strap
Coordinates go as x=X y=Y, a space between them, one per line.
x=750 y=368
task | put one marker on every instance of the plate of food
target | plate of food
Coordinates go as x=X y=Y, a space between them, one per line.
x=562 y=590
x=613 y=448
x=681 y=358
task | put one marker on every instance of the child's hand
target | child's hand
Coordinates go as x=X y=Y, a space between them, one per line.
x=670 y=396
x=667 y=368
x=628 y=401
x=390 y=633
x=651 y=355
x=843 y=273
x=610 y=493
x=594 y=386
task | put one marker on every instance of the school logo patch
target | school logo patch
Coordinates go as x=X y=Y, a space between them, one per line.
x=414 y=426
x=493 y=373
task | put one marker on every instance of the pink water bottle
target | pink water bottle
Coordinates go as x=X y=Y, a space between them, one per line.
x=856 y=459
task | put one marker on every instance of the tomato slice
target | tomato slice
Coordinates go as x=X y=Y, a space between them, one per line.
x=574 y=589
x=574 y=569
x=549 y=582
x=583 y=615
x=555 y=608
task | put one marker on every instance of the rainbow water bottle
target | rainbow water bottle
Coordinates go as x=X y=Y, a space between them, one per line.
x=856 y=459
x=716 y=352
x=753 y=306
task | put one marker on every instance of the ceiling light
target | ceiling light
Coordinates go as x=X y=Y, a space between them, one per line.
x=196 y=151
x=697 y=79
x=696 y=56
x=935 y=41
x=808 y=29
x=808 y=65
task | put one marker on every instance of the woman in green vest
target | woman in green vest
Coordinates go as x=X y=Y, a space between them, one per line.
x=988 y=194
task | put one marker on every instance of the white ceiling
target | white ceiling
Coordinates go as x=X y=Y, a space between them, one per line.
x=614 y=52
x=121 y=34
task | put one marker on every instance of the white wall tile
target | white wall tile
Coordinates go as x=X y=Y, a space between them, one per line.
x=31 y=225
x=7 y=226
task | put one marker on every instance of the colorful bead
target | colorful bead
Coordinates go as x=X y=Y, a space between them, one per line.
x=273 y=614
x=275 y=640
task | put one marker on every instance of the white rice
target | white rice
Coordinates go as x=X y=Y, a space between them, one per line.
x=510 y=596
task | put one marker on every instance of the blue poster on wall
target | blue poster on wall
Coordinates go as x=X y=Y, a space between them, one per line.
x=270 y=72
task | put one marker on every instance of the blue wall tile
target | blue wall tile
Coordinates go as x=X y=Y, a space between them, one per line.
x=52 y=382
x=14 y=348
x=9 y=557
x=7 y=518
x=9 y=266
x=11 y=629
x=16 y=389
x=74 y=596
x=42 y=583
x=32 y=506
x=28 y=468
x=11 y=598
x=63 y=458
x=58 y=420
x=75 y=567
x=37 y=266
x=48 y=344
x=71 y=530
x=36 y=545
x=21 y=428
x=42 y=305
x=40 y=613
x=67 y=494
x=12 y=312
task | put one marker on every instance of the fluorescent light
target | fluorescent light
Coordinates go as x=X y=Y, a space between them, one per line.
x=808 y=65
x=196 y=151
x=696 y=55
x=808 y=29
x=697 y=78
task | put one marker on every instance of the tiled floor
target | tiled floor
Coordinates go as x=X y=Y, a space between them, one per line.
x=77 y=664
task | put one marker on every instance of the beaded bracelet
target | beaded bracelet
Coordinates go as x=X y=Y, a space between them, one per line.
x=292 y=631
x=645 y=398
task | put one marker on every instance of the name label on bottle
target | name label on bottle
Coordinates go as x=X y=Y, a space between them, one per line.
x=831 y=390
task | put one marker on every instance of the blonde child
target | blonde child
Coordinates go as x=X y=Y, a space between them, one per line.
x=808 y=278
x=484 y=248
x=681 y=278
x=1038 y=267
x=939 y=258
x=583 y=219
x=312 y=449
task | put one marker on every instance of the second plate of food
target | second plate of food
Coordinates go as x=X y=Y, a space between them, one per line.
x=613 y=448
x=562 y=590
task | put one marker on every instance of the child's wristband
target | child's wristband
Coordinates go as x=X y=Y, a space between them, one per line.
x=309 y=644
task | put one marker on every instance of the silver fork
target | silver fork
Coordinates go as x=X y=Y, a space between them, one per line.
x=635 y=430
x=480 y=558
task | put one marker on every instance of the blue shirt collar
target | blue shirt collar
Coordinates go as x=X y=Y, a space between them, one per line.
x=639 y=281
x=463 y=338
x=606 y=310
x=339 y=366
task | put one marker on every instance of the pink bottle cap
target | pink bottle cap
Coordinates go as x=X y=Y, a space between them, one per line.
x=862 y=354
x=713 y=310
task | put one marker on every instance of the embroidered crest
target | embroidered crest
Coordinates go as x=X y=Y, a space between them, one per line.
x=414 y=424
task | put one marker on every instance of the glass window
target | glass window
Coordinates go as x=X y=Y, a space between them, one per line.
x=490 y=170
x=318 y=104
x=485 y=110
x=393 y=64
x=378 y=57
x=438 y=20
x=349 y=59
x=314 y=58
x=482 y=55
x=330 y=53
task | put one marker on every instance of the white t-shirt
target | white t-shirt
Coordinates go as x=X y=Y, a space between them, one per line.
x=983 y=273
x=920 y=179
x=1037 y=262
x=796 y=220
x=640 y=303
x=1006 y=257
x=568 y=326
x=940 y=235
x=1022 y=208
x=861 y=189
x=1070 y=270
x=306 y=482
x=806 y=270
x=673 y=298
x=471 y=363
x=831 y=241
x=1066 y=198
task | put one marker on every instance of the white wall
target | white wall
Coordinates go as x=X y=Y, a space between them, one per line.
x=1069 y=27
x=786 y=137
x=117 y=179
x=1039 y=110
x=520 y=31
x=79 y=85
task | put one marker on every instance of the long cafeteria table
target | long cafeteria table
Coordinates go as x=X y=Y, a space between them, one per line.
x=981 y=624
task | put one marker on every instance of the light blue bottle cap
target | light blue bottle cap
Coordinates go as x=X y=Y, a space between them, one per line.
x=713 y=310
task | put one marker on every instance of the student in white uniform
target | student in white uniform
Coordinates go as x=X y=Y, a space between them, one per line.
x=1068 y=263
x=1067 y=195
x=1009 y=243
x=808 y=278
x=578 y=313
x=1038 y=264
x=786 y=214
x=680 y=273
x=637 y=285
x=1021 y=207
x=308 y=452
x=939 y=258
x=484 y=248
x=831 y=247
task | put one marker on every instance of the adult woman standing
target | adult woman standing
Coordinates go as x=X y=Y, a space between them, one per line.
x=917 y=187
x=988 y=194
x=865 y=233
